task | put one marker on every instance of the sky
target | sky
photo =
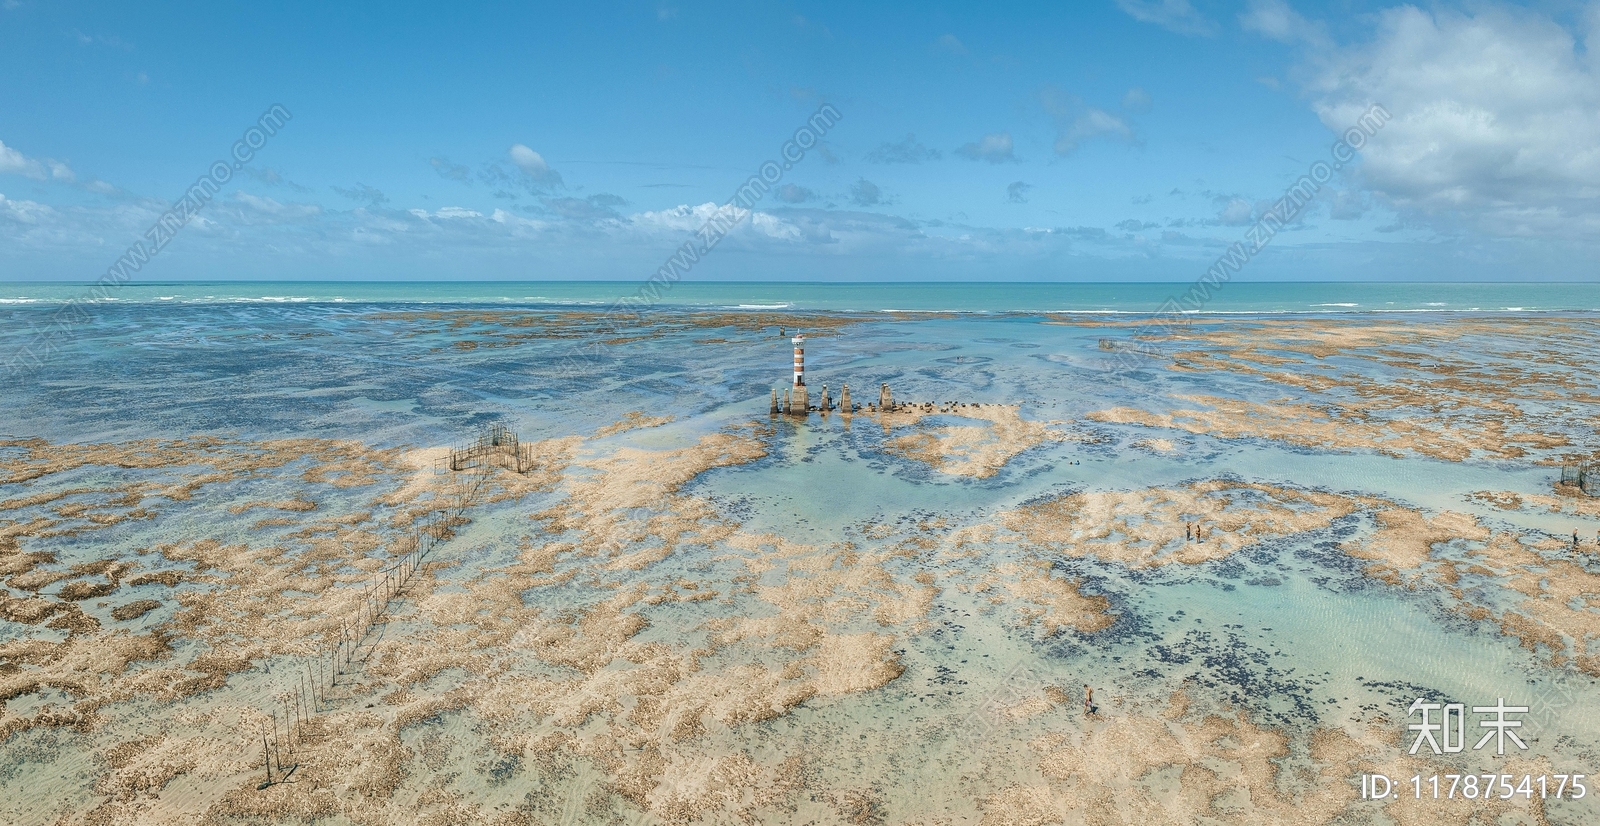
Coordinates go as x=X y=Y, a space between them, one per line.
x=1098 y=140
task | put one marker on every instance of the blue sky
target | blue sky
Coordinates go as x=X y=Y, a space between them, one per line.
x=1115 y=140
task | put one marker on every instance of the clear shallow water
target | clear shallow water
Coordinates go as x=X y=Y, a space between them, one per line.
x=1236 y=297
x=1290 y=631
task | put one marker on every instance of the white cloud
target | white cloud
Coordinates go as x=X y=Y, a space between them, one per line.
x=1136 y=100
x=1093 y=123
x=24 y=212
x=682 y=218
x=533 y=164
x=1173 y=15
x=1496 y=117
x=994 y=148
x=1276 y=20
x=528 y=160
x=1234 y=212
x=16 y=163
x=1077 y=123
x=255 y=209
x=47 y=169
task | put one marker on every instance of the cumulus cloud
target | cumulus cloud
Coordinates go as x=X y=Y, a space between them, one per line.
x=533 y=165
x=866 y=193
x=1017 y=192
x=994 y=148
x=1496 y=116
x=1173 y=15
x=906 y=151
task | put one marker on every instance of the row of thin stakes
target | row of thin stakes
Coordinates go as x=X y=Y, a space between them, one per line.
x=1583 y=477
x=498 y=446
x=305 y=694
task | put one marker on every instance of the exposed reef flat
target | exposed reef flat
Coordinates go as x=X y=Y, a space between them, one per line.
x=686 y=611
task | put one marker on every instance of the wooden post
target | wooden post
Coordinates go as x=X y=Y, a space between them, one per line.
x=266 y=757
x=276 y=739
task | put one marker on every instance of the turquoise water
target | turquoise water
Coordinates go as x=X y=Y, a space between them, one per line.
x=1290 y=631
x=1240 y=297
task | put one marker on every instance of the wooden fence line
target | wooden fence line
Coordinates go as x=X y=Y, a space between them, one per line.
x=307 y=694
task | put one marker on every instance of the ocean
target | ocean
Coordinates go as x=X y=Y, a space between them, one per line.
x=1236 y=297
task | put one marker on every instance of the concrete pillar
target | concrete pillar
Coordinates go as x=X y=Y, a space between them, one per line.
x=798 y=400
x=825 y=404
x=844 y=399
x=885 y=398
x=774 y=408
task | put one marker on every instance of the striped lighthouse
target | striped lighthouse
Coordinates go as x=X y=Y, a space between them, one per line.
x=798 y=402
x=799 y=360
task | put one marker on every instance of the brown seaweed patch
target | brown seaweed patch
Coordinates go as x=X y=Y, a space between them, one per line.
x=1453 y=438
x=978 y=451
x=1566 y=499
x=85 y=589
x=296 y=505
x=168 y=578
x=1429 y=399
x=1054 y=602
x=134 y=610
x=1182 y=767
x=1405 y=538
x=635 y=420
x=27 y=610
x=1143 y=528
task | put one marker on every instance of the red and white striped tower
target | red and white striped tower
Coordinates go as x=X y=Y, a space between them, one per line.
x=800 y=360
x=798 y=402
